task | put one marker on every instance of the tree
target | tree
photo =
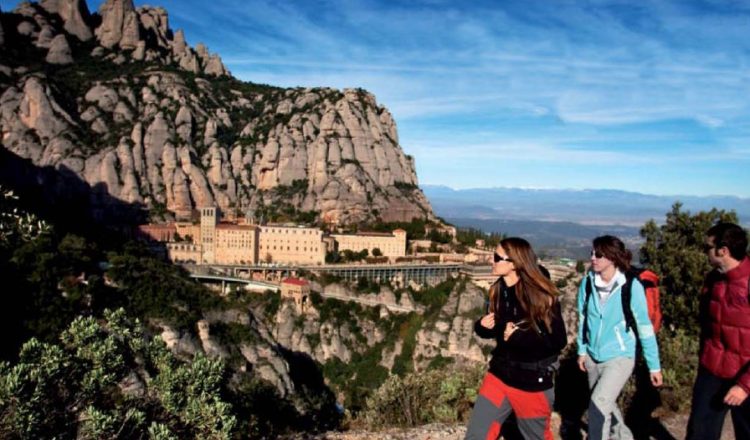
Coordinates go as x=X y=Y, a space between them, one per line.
x=580 y=266
x=107 y=379
x=17 y=225
x=333 y=257
x=674 y=251
x=376 y=252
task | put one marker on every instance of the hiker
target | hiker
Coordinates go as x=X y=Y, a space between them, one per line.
x=526 y=321
x=607 y=340
x=723 y=380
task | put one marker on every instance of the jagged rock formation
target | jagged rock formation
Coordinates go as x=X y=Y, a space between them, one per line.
x=260 y=353
x=153 y=121
x=59 y=51
x=326 y=337
x=451 y=335
x=337 y=332
x=75 y=16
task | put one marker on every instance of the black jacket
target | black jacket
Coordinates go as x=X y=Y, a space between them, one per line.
x=528 y=358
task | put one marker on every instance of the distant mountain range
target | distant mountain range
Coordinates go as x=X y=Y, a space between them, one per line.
x=563 y=222
x=589 y=207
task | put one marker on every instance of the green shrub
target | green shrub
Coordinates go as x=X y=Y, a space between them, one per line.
x=72 y=387
x=440 y=395
x=407 y=332
x=679 y=360
x=435 y=297
x=233 y=334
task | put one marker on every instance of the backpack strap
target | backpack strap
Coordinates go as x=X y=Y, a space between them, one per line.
x=626 y=294
x=588 y=291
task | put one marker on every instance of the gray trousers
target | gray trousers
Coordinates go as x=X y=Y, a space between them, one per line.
x=606 y=380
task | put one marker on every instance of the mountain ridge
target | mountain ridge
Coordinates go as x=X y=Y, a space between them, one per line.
x=585 y=206
x=120 y=99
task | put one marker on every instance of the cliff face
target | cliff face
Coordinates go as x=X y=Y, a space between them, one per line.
x=122 y=101
x=335 y=330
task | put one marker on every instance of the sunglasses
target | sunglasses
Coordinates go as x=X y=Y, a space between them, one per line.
x=498 y=258
x=597 y=254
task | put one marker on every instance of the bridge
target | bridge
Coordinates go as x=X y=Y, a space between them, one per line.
x=254 y=285
x=419 y=273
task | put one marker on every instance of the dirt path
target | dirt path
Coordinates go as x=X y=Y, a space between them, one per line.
x=674 y=428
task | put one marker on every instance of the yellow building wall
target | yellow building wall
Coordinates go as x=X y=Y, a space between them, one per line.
x=291 y=245
x=185 y=228
x=236 y=245
x=390 y=246
x=184 y=252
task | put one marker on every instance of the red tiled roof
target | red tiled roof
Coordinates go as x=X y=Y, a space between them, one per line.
x=295 y=282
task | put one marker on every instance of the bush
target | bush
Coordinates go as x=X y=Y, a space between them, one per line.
x=76 y=386
x=435 y=297
x=442 y=395
x=407 y=332
x=679 y=359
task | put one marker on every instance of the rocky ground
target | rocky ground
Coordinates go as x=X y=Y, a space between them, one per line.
x=674 y=428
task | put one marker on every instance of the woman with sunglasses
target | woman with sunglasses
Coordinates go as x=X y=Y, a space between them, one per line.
x=606 y=343
x=526 y=321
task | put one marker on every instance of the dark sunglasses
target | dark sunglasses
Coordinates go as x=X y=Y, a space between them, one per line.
x=597 y=254
x=498 y=258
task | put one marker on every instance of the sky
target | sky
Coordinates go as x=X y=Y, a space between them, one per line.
x=649 y=96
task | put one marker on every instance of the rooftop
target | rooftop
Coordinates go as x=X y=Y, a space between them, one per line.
x=296 y=282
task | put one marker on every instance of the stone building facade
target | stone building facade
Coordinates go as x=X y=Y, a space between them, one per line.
x=184 y=252
x=296 y=290
x=214 y=242
x=391 y=245
x=291 y=245
x=236 y=244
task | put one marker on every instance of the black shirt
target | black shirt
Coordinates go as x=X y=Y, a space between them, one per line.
x=523 y=360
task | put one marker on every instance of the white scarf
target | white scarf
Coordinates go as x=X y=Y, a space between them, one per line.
x=605 y=288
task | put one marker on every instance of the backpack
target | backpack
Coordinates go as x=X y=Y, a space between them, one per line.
x=650 y=282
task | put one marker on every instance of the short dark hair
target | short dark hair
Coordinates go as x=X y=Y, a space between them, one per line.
x=732 y=236
x=614 y=249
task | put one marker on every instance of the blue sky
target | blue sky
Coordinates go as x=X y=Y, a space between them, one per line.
x=649 y=96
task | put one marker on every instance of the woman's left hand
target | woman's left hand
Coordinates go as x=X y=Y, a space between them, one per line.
x=509 y=329
x=656 y=379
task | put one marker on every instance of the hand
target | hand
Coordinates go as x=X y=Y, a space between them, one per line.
x=582 y=363
x=735 y=396
x=657 y=379
x=488 y=321
x=509 y=329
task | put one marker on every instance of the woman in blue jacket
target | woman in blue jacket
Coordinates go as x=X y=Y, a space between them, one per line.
x=606 y=343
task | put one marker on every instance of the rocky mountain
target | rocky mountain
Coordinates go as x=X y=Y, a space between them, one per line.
x=126 y=105
x=359 y=346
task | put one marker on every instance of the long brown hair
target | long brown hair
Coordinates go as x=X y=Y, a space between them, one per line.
x=535 y=292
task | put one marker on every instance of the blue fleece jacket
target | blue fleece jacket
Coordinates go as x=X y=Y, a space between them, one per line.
x=607 y=337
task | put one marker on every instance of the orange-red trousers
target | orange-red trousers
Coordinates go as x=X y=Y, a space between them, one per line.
x=497 y=400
